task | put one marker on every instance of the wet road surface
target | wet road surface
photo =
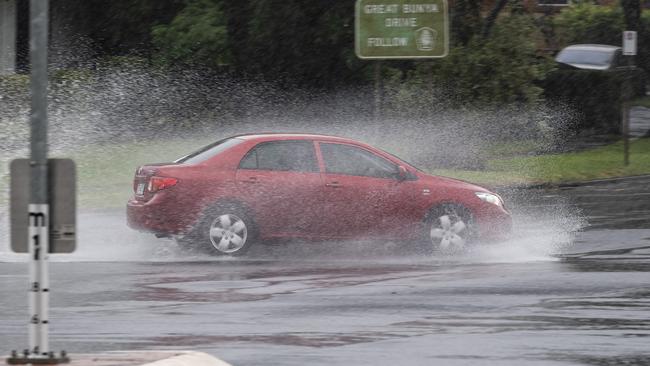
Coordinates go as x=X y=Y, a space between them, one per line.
x=549 y=296
x=607 y=204
x=578 y=311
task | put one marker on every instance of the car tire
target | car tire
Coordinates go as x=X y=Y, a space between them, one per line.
x=449 y=228
x=224 y=229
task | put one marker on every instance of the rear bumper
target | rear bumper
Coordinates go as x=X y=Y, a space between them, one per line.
x=157 y=217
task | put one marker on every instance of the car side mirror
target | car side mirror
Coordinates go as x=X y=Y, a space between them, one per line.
x=402 y=174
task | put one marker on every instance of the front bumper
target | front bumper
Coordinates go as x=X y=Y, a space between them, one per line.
x=494 y=223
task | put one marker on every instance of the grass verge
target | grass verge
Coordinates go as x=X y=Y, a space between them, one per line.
x=641 y=102
x=600 y=163
x=105 y=172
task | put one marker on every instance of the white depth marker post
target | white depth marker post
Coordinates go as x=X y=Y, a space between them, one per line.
x=38 y=236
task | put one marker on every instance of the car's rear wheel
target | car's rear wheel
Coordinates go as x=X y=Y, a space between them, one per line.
x=223 y=230
x=450 y=228
x=228 y=233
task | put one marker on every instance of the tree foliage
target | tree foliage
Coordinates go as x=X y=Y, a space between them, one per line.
x=493 y=56
x=117 y=27
x=502 y=68
x=197 y=35
x=279 y=39
x=631 y=13
x=588 y=23
x=644 y=41
x=465 y=21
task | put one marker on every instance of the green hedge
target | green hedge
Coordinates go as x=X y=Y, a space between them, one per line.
x=502 y=69
x=595 y=95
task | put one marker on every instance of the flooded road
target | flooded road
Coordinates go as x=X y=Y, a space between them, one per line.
x=567 y=289
x=582 y=310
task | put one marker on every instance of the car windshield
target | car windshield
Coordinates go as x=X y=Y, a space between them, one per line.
x=209 y=151
x=402 y=160
x=587 y=57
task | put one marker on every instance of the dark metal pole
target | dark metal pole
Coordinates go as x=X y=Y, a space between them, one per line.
x=626 y=132
x=38 y=117
x=628 y=94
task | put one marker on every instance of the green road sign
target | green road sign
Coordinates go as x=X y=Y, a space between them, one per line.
x=387 y=29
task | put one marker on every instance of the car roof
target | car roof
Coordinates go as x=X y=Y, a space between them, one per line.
x=592 y=47
x=275 y=136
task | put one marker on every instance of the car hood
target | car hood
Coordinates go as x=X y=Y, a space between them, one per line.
x=454 y=183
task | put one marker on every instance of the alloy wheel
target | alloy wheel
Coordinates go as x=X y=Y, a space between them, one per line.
x=449 y=232
x=228 y=233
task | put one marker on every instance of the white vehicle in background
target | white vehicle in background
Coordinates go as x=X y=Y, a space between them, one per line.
x=592 y=57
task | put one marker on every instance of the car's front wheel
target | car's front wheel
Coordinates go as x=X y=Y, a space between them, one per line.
x=449 y=228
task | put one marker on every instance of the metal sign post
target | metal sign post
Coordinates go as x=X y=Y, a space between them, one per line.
x=399 y=29
x=629 y=51
x=379 y=88
x=38 y=209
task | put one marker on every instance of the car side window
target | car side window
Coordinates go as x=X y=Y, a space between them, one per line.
x=296 y=156
x=351 y=160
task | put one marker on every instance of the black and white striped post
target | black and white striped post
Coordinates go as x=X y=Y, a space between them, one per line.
x=38 y=228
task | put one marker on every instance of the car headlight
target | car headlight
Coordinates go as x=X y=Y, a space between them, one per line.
x=489 y=198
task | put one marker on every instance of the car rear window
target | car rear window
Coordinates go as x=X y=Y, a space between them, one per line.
x=209 y=151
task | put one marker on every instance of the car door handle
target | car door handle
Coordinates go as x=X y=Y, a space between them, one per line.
x=251 y=180
x=333 y=185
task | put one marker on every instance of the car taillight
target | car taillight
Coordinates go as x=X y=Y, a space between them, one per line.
x=158 y=183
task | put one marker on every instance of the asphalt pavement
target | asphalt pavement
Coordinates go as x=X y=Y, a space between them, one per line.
x=618 y=203
x=639 y=121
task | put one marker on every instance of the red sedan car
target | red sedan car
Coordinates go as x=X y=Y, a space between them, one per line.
x=250 y=188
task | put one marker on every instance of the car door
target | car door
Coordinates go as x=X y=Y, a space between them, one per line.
x=362 y=193
x=281 y=182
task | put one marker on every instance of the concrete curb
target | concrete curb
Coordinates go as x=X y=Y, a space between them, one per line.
x=189 y=358
x=573 y=184
x=142 y=358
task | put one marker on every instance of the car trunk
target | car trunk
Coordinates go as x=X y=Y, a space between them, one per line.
x=142 y=179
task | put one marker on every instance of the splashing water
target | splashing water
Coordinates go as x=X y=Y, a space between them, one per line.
x=133 y=115
x=537 y=236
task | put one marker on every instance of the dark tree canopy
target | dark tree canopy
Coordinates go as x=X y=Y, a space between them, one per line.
x=117 y=26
